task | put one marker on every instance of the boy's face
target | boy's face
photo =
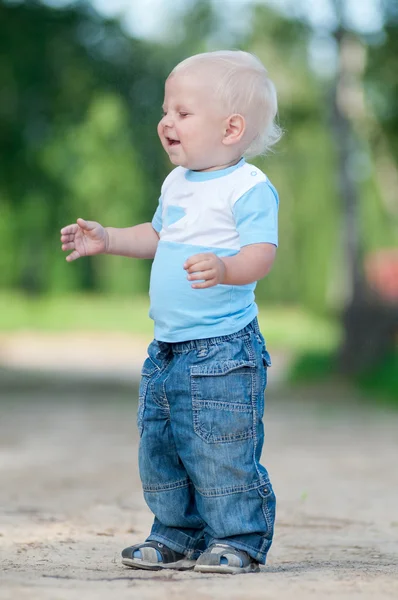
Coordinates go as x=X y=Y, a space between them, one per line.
x=192 y=128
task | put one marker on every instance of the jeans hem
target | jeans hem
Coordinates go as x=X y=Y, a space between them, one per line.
x=188 y=549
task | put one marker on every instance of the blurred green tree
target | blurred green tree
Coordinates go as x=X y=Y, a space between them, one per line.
x=59 y=70
x=370 y=319
x=79 y=105
x=300 y=166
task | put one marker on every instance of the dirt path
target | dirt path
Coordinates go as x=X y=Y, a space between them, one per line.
x=70 y=500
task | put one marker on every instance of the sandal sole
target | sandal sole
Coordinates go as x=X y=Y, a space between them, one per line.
x=180 y=565
x=252 y=568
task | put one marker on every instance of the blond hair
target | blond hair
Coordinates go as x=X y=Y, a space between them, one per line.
x=243 y=86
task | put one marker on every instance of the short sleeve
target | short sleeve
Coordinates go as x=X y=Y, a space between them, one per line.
x=256 y=215
x=157 y=221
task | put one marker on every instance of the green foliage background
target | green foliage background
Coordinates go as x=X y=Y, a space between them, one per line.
x=79 y=104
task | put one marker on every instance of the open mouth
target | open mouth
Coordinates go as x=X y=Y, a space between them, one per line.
x=172 y=142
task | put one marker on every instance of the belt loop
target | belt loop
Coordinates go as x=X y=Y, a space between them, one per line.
x=163 y=351
x=202 y=348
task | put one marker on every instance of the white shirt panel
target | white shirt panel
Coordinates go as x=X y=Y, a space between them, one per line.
x=208 y=205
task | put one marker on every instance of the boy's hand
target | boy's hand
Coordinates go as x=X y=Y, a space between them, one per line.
x=207 y=267
x=85 y=238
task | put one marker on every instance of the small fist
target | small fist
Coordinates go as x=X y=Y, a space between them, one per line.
x=207 y=267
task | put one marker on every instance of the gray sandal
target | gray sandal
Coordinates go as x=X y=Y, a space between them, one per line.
x=222 y=558
x=154 y=556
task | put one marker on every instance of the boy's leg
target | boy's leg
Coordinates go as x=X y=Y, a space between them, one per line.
x=168 y=490
x=222 y=446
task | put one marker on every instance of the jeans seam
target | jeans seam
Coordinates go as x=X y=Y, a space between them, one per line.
x=174 y=485
x=142 y=394
x=252 y=356
x=164 y=405
x=267 y=516
x=227 y=491
x=264 y=508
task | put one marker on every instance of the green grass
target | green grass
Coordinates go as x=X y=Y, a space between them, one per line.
x=378 y=384
x=382 y=378
x=74 y=313
x=313 y=366
x=289 y=328
x=298 y=330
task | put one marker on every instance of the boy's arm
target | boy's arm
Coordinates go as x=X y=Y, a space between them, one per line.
x=252 y=263
x=88 y=238
x=256 y=218
x=139 y=241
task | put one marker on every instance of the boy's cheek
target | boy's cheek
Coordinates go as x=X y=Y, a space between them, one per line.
x=160 y=132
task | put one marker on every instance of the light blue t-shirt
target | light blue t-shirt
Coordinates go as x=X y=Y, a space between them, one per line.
x=214 y=211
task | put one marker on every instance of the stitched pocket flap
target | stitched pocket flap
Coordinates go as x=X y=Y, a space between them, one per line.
x=221 y=368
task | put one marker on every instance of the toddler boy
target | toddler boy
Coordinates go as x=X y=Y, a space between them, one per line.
x=201 y=399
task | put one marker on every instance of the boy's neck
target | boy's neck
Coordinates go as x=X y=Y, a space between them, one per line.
x=219 y=167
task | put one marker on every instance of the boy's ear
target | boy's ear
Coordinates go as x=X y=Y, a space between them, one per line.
x=234 y=128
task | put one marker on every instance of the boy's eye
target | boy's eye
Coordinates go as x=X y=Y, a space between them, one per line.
x=183 y=114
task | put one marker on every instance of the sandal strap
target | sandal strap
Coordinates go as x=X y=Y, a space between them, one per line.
x=150 y=553
x=235 y=557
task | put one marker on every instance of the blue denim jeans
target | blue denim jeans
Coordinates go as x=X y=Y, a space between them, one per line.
x=200 y=413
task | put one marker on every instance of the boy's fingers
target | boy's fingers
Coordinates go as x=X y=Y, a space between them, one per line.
x=205 y=284
x=87 y=225
x=68 y=246
x=193 y=260
x=69 y=229
x=209 y=274
x=200 y=266
x=65 y=237
x=73 y=256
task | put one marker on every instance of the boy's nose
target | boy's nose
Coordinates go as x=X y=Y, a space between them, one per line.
x=167 y=121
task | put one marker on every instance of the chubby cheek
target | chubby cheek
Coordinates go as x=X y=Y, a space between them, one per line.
x=160 y=132
x=187 y=135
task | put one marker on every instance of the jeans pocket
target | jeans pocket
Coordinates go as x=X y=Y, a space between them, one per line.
x=222 y=400
x=147 y=371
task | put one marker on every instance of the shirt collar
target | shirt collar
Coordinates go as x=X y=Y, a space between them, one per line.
x=206 y=175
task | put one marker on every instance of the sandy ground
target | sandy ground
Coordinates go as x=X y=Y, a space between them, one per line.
x=70 y=497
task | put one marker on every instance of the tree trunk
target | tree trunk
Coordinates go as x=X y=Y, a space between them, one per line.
x=370 y=324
